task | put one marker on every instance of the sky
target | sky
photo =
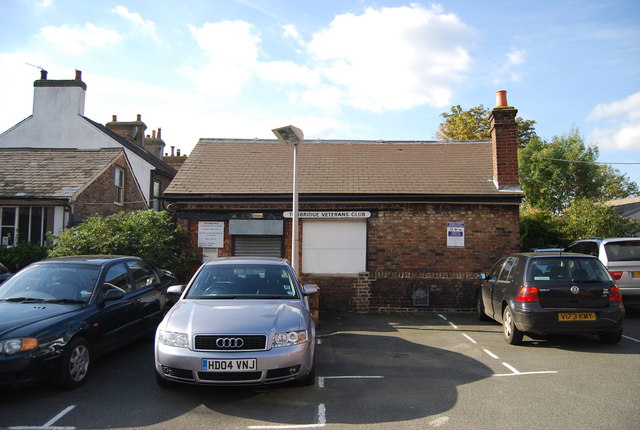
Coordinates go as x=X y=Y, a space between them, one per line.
x=337 y=69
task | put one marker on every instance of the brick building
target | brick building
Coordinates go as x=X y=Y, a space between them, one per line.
x=59 y=167
x=384 y=226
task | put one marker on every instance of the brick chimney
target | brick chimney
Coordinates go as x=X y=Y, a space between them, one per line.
x=504 y=140
x=132 y=130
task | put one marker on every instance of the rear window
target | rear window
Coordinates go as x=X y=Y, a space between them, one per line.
x=628 y=250
x=567 y=269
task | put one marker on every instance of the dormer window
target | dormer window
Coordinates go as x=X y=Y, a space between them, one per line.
x=118 y=197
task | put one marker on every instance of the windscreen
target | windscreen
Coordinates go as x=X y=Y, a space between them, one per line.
x=567 y=269
x=49 y=282
x=628 y=250
x=242 y=282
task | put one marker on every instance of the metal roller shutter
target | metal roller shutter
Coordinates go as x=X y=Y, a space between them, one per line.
x=257 y=246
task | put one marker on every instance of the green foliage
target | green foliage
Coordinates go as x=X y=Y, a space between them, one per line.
x=583 y=218
x=147 y=234
x=540 y=229
x=21 y=255
x=586 y=218
x=475 y=124
x=553 y=174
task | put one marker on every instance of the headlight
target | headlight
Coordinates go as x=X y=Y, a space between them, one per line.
x=12 y=346
x=170 y=338
x=290 y=338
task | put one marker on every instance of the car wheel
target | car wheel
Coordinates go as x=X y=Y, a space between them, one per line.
x=613 y=337
x=75 y=364
x=482 y=316
x=511 y=333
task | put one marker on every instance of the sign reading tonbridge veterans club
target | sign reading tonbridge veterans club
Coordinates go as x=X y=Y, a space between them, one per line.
x=329 y=214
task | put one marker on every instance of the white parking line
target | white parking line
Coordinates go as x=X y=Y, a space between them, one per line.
x=49 y=424
x=321 y=379
x=470 y=339
x=490 y=354
x=322 y=421
x=516 y=372
x=630 y=338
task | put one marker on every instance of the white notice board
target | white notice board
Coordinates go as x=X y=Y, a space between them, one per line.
x=210 y=234
x=455 y=235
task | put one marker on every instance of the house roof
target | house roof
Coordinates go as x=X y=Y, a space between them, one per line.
x=50 y=173
x=225 y=167
x=142 y=152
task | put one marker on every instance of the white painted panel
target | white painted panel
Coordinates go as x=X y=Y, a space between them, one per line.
x=334 y=247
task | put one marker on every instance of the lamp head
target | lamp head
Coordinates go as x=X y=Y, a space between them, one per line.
x=289 y=135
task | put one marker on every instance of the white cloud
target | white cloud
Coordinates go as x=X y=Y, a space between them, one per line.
x=44 y=3
x=79 y=40
x=231 y=48
x=507 y=71
x=619 y=123
x=145 y=25
x=393 y=58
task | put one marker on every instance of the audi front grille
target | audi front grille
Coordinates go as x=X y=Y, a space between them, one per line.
x=231 y=343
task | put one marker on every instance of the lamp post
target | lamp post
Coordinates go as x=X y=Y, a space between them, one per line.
x=290 y=135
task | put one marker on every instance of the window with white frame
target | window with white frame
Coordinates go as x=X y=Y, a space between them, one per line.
x=20 y=224
x=155 y=197
x=118 y=197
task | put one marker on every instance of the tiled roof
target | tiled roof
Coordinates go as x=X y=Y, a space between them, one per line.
x=50 y=173
x=264 y=166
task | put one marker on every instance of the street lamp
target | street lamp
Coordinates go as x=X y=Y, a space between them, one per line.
x=291 y=135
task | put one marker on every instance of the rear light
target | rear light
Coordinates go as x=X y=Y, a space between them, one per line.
x=614 y=294
x=616 y=275
x=528 y=294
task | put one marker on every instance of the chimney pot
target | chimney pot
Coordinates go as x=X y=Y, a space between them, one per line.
x=153 y=134
x=172 y=150
x=178 y=152
x=501 y=98
x=139 y=117
x=159 y=132
x=78 y=75
x=43 y=74
x=114 y=118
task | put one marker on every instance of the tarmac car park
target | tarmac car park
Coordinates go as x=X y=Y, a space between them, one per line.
x=418 y=371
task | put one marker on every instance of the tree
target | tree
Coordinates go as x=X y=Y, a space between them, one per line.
x=475 y=124
x=588 y=218
x=540 y=229
x=147 y=234
x=553 y=174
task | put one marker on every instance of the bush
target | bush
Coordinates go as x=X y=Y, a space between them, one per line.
x=21 y=255
x=147 y=234
x=540 y=229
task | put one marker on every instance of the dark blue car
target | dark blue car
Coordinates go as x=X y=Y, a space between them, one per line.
x=4 y=273
x=58 y=315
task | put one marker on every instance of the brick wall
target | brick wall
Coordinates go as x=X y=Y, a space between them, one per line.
x=98 y=196
x=406 y=248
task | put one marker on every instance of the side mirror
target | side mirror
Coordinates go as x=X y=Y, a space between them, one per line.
x=482 y=276
x=176 y=290
x=309 y=290
x=112 y=294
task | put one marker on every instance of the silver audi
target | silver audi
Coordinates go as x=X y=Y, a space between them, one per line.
x=239 y=321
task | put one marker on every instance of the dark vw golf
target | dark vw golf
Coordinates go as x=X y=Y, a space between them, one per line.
x=551 y=293
x=58 y=315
